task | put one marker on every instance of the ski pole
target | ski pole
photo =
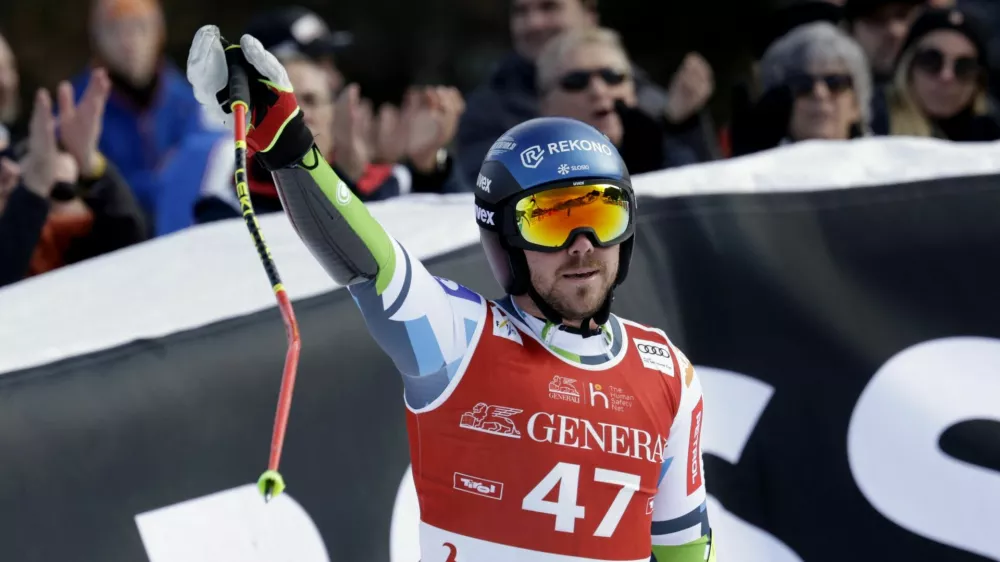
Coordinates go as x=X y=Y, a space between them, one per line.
x=270 y=482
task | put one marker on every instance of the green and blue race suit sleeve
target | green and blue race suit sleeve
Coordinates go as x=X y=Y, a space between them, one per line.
x=424 y=323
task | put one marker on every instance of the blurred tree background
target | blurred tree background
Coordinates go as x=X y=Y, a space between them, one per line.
x=399 y=43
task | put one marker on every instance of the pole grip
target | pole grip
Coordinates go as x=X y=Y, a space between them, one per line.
x=239 y=83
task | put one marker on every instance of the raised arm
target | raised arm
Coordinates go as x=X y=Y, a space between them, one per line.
x=424 y=324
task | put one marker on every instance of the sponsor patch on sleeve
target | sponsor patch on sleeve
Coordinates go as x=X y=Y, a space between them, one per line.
x=504 y=328
x=655 y=355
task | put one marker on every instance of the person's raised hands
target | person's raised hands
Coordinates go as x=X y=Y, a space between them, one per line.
x=80 y=124
x=431 y=124
x=38 y=166
x=690 y=88
x=352 y=132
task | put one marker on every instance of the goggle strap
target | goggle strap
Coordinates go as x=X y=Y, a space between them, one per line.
x=488 y=216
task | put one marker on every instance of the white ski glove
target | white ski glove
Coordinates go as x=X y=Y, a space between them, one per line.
x=274 y=111
x=208 y=72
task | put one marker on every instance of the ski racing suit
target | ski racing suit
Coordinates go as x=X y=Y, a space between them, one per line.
x=528 y=441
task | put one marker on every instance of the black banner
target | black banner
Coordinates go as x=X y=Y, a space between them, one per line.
x=857 y=315
x=812 y=294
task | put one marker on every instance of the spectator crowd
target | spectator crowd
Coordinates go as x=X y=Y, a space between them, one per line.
x=122 y=153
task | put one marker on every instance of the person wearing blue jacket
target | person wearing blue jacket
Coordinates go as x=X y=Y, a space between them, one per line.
x=154 y=131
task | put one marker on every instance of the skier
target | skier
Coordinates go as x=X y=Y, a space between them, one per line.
x=542 y=427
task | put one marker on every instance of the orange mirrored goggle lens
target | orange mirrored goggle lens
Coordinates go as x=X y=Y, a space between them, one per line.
x=548 y=218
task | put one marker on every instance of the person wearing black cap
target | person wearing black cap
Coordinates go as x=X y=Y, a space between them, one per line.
x=940 y=86
x=295 y=30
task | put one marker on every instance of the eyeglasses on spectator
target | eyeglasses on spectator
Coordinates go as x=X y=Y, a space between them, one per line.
x=805 y=84
x=932 y=61
x=579 y=80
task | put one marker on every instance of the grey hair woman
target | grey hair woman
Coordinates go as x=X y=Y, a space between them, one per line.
x=827 y=75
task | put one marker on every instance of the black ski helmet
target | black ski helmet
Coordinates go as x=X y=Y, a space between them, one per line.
x=538 y=155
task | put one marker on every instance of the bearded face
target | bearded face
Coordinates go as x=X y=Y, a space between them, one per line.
x=574 y=281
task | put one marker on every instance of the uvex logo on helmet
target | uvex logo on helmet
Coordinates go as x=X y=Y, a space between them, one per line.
x=484 y=216
x=483 y=183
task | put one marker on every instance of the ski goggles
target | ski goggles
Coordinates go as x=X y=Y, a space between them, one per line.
x=548 y=220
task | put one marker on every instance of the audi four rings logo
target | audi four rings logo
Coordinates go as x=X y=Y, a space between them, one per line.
x=653 y=349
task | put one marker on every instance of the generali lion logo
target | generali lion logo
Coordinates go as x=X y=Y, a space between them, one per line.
x=491 y=419
x=564 y=388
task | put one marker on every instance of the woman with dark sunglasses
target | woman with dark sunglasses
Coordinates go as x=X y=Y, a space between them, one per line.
x=940 y=87
x=818 y=76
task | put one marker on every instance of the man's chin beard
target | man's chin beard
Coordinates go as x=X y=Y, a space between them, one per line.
x=574 y=316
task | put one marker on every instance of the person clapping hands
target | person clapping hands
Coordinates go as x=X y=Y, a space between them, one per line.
x=61 y=202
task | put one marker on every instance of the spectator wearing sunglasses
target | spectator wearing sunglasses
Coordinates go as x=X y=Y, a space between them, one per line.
x=581 y=74
x=585 y=75
x=749 y=119
x=510 y=95
x=940 y=87
x=817 y=82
